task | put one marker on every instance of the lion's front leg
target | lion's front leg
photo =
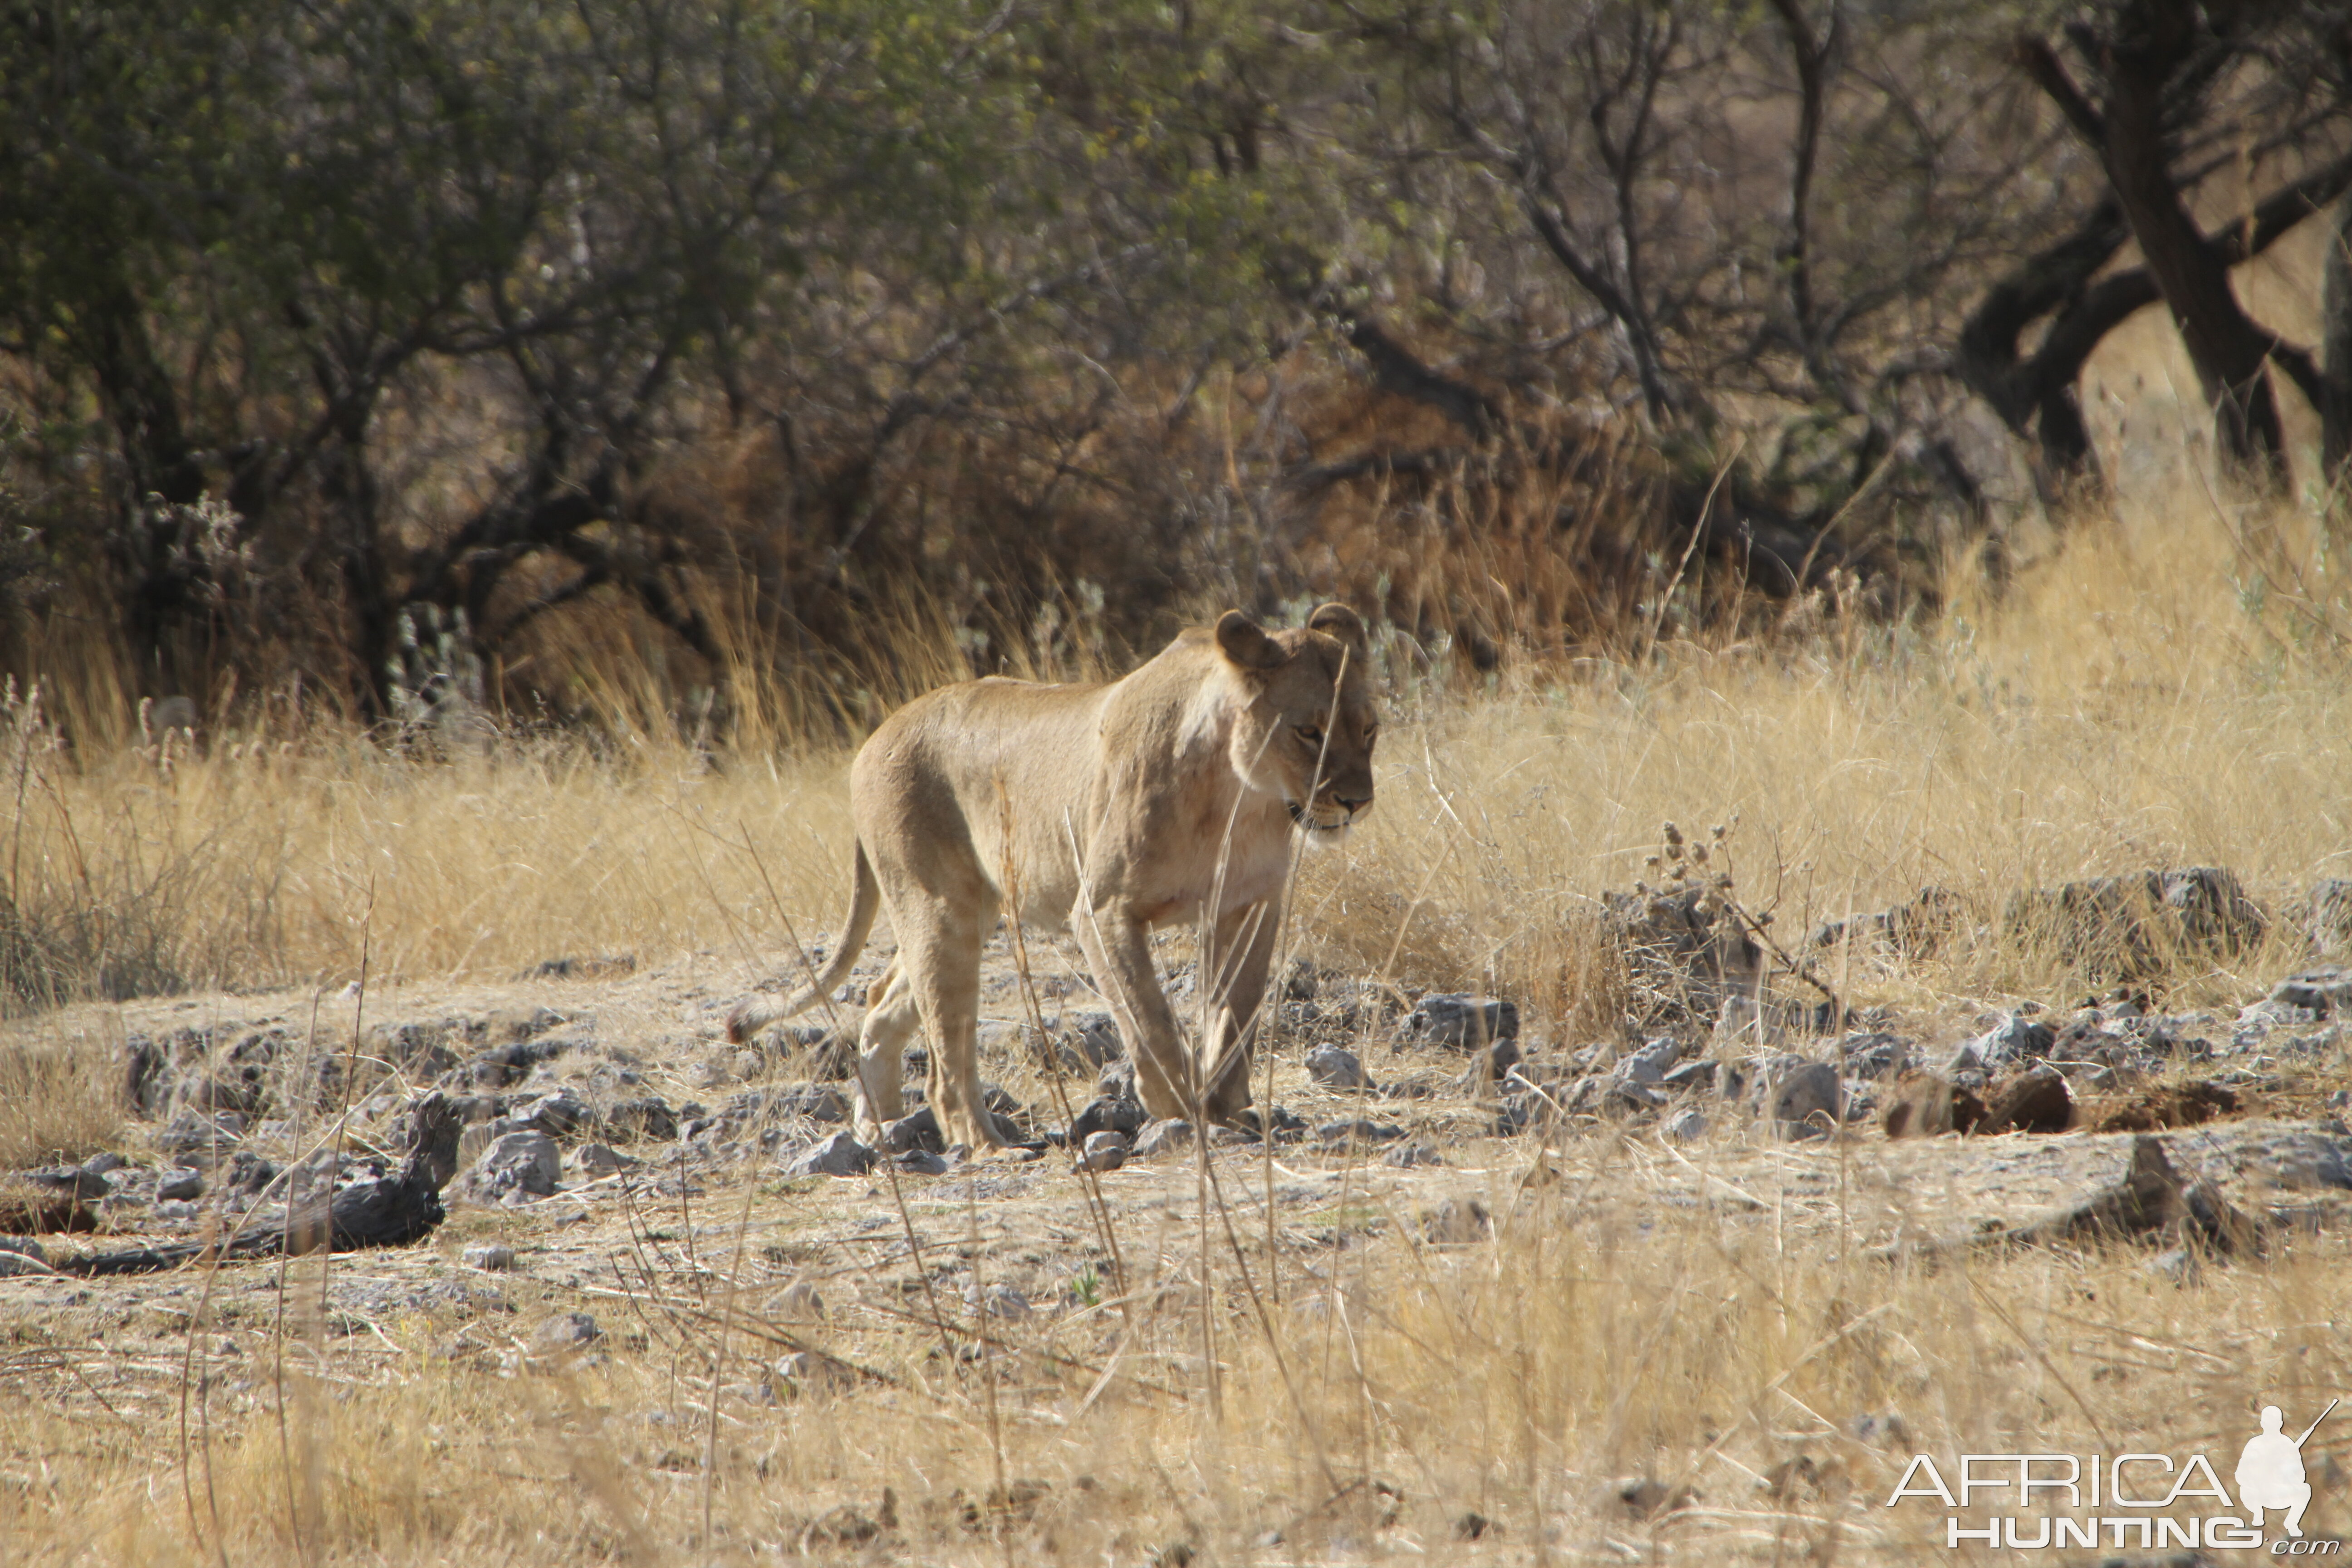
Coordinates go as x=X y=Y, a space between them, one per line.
x=1241 y=951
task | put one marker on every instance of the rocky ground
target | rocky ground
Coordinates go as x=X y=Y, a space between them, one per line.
x=588 y=1126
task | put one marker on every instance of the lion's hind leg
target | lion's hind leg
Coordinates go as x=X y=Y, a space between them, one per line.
x=889 y=1023
x=940 y=949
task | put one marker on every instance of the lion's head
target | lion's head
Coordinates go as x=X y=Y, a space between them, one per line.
x=1307 y=733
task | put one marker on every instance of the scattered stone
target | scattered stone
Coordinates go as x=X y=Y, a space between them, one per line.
x=104 y=1163
x=1336 y=1066
x=1874 y=1054
x=565 y=1333
x=515 y=1166
x=648 y=1116
x=1123 y=1117
x=1344 y=1135
x=1700 y=1077
x=196 y=1138
x=2035 y=1100
x=1094 y=1036
x=2325 y=915
x=844 y=1525
x=1459 y=1022
x=1158 y=1138
x=1915 y=929
x=1645 y=1497
x=923 y=1162
x=1474 y=1526
x=1117 y=1081
x=1103 y=1152
x=1002 y=1301
x=1406 y=1155
x=597 y=1160
x=801 y=1302
x=181 y=1184
x=1925 y=1104
x=2325 y=991
x=1801 y=1099
x=1687 y=1128
x=1456 y=1222
x=812 y=1372
x=839 y=1155
x=917 y=1132
x=490 y=1257
x=2130 y=928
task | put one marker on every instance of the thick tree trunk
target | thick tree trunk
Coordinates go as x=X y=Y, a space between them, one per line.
x=2231 y=353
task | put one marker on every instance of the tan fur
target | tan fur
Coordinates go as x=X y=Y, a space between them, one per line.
x=1106 y=810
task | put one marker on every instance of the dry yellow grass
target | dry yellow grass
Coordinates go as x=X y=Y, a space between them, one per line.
x=2162 y=690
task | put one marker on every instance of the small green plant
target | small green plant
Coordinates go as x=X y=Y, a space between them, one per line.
x=1085 y=1287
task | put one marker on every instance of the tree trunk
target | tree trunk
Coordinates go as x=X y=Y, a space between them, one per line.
x=2231 y=353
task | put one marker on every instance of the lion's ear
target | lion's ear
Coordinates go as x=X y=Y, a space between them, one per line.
x=1338 y=621
x=1244 y=642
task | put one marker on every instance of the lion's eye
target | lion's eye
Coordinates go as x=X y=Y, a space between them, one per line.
x=1311 y=734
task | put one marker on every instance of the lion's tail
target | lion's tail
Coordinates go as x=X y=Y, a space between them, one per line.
x=865 y=899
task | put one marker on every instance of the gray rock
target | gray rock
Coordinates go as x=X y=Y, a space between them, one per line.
x=2326 y=915
x=565 y=1333
x=104 y=1163
x=1159 y=1138
x=1690 y=1126
x=1095 y=1038
x=647 y=1116
x=1459 y=1022
x=1117 y=1081
x=490 y=1257
x=1405 y=1155
x=1694 y=1076
x=914 y=1134
x=1802 y=1101
x=1103 y=1152
x=1336 y=1066
x=597 y=1160
x=1002 y=1301
x=816 y=1101
x=180 y=1184
x=2325 y=991
x=839 y=1155
x=515 y=1166
x=559 y=1115
x=1345 y=1133
x=923 y=1162
x=1124 y=1117
x=801 y=1302
x=2016 y=1038
x=1653 y=1062
x=1873 y=1054
x=811 y=1371
x=198 y=1139
x=18 y=1260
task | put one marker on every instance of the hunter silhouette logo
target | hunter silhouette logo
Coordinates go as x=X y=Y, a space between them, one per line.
x=2270 y=1471
x=2143 y=1499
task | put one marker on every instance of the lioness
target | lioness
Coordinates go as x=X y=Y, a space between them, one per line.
x=1105 y=809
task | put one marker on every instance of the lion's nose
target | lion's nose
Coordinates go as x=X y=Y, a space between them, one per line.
x=1352 y=806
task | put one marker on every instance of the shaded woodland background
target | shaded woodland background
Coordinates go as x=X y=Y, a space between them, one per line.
x=693 y=362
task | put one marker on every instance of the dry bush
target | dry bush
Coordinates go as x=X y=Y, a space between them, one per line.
x=58 y=1103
